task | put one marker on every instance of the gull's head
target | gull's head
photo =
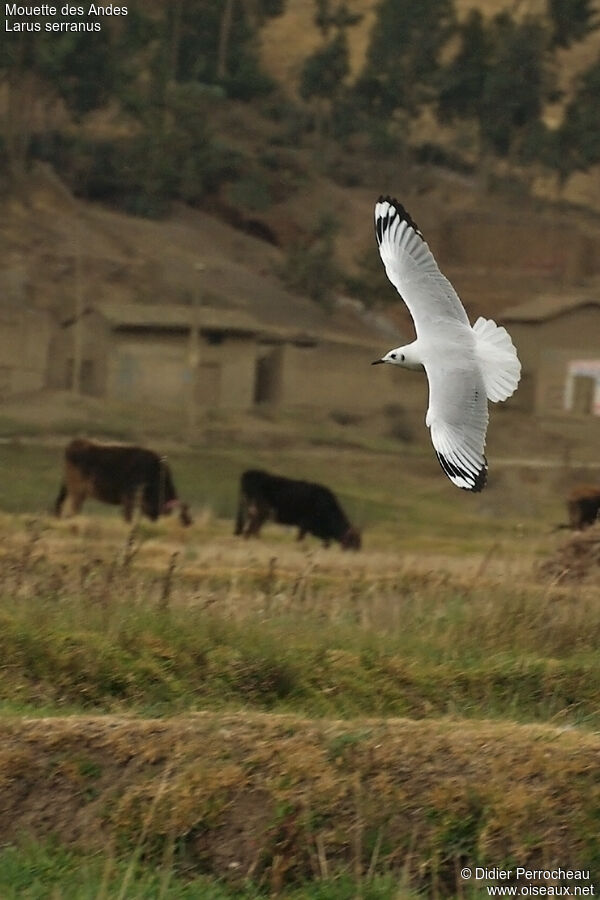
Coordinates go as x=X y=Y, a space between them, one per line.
x=401 y=356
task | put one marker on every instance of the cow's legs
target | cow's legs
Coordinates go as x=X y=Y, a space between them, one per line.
x=76 y=498
x=257 y=516
x=60 y=500
x=76 y=488
x=242 y=512
x=253 y=523
x=128 y=501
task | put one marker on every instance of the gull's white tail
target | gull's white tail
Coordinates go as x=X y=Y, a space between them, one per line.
x=500 y=366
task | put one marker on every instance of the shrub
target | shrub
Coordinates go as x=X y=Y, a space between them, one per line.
x=310 y=267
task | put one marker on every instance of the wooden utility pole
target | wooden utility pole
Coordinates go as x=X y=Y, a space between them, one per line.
x=224 y=36
x=194 y=349
x=77 y=326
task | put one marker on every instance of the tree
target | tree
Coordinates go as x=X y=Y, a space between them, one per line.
x=80 y=70
x=518 y=82
x=579 y=134
x=403 y=54
x=212 y=42
x=572 y=20
x=500 y=78
x=241 y=18
x=325 y=72
x=461 y=82
x=334 y=14
x=161 y=68
x=310 y=267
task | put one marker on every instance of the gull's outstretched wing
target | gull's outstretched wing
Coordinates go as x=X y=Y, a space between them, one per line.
x=412 y=269
x=458 y=418
x=458 y=413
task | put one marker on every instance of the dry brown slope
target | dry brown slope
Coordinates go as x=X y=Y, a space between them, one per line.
x=127 y=259
x=247 y=794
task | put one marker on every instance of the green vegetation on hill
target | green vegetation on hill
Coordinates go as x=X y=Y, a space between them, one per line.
x=172 y=107
x=160 y=82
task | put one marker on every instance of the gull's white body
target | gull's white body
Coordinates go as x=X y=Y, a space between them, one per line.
x=465 y=365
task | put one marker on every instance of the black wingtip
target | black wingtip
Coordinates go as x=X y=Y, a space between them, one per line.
x=402 y=212
x=475 y=484
x=481 y=479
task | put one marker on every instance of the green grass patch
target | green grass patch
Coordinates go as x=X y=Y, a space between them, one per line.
x=405 y=648
x=32 y=871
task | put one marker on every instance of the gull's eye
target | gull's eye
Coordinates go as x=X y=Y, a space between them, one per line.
x=402 y=357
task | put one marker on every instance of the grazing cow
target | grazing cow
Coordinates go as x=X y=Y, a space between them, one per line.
x=118 y=474
x=583 y=504
x=312 y=507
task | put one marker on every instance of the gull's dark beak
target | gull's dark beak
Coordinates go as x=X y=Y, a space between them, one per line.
x=376 y=362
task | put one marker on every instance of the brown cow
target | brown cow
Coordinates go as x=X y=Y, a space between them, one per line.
x=583 y=504
x=118 y=474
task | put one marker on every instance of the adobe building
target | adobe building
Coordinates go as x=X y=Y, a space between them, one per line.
x=25 y=336
x=157 y=355
x=558 y=341
x=148 y=353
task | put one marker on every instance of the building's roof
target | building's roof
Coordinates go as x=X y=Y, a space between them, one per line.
x=549 y=306
x=178 y=317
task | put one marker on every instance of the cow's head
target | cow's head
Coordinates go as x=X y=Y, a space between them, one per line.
x=184 y=511
x=351 y=539
x=184 y=514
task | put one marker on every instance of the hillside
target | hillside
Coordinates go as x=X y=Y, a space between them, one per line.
x=127 y=259
x=273 y=184
x=288 y=39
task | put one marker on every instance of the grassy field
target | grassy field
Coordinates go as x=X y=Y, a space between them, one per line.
x=187 y=714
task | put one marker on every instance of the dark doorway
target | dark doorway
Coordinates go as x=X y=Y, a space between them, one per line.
x=87 y=377
x=267 y=378
x=584 y=389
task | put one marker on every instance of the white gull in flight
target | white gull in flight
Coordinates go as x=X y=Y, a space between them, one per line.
x=465 y=366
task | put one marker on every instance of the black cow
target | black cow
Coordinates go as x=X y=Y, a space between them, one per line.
x=583 y=504
x=118 y=474
x=312 y=507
